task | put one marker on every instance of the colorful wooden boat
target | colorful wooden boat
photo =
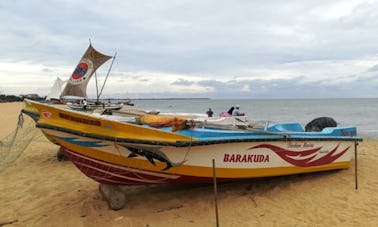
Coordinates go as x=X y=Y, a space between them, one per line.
x=93 y=106
x=122 y=153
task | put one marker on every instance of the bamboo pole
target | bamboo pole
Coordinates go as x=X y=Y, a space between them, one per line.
x=107 y=75
x=98 y=97
x=215 y=195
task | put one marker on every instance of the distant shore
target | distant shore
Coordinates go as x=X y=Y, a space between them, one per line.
x=19 y=98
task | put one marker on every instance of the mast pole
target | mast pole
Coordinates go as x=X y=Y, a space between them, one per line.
x=107 y=75
x=96 y=87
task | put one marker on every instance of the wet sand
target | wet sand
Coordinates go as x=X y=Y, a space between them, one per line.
x=38 y=190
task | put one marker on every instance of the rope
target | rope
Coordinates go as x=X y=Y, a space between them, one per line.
x=20 y=120
x=116 y=146
x=190 y=146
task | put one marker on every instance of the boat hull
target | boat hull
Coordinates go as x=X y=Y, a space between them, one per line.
x=114 y=152
x=112 y=162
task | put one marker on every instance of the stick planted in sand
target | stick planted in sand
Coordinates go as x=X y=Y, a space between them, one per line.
x=215 y=194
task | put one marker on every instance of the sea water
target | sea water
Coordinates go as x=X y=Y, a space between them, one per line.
x=361 y=113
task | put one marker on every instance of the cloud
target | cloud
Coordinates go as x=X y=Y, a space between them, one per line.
x=373 y=68
x=183 y=82
x=208 y=48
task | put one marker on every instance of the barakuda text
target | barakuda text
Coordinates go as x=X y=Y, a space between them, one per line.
x=245 y=158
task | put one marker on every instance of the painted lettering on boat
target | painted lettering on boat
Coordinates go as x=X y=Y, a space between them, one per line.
x=245 y=158
x=80 y=120
x=300 y=144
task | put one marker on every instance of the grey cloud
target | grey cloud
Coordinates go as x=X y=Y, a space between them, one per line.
x=283 y=88
x=47 y=70
x=144 y=80
x=210 y=37
x=182 y=82
x=373 y=69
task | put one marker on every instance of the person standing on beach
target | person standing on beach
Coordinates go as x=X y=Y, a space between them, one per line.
x=209 y=113
x=85 y=104
x=236 y=111
x=231 y=110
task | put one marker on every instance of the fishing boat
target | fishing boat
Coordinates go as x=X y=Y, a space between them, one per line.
x=95 y=106
x=115 y=152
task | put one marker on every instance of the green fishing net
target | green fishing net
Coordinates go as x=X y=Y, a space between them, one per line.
x=12 y=146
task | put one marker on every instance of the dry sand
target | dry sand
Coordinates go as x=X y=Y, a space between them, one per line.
x=37 y=190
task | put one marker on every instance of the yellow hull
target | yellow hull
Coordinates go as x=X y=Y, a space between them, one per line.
x=121 y=153
x=188 y=164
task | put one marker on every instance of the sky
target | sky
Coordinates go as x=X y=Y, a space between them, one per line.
x=221 y=49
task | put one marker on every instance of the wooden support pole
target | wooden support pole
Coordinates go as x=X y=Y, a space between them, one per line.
x=355 y=163
x=215 y=195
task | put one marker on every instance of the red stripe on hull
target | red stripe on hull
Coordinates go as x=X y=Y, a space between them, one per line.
x=107 y=173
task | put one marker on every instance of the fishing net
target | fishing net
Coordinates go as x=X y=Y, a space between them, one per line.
x=12 y=146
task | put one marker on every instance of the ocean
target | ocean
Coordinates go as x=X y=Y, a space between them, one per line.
x=361 y=113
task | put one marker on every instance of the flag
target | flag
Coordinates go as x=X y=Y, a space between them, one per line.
x=89 y=63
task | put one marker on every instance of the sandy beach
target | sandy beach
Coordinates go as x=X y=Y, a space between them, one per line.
x=38 y=190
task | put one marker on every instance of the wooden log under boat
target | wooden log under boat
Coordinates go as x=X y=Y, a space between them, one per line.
x=113 y=195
